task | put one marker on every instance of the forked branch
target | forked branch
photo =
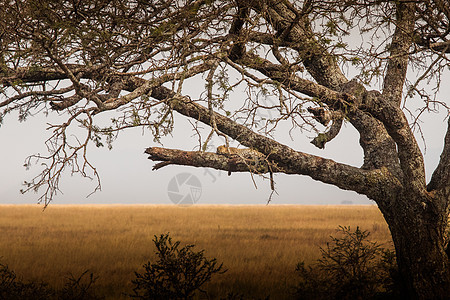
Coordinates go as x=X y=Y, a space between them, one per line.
x=63 y=154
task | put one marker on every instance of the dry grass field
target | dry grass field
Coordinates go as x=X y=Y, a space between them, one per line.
x=259 y=245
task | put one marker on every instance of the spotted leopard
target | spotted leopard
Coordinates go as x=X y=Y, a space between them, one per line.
x=252 y=158
x=244 y=153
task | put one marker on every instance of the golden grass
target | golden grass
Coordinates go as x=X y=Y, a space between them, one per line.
x=259 y=245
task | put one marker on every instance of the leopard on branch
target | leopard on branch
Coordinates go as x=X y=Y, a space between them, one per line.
x=255 y=160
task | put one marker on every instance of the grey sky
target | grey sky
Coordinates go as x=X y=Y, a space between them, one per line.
x=127 y=176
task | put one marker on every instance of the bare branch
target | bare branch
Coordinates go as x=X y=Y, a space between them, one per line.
x=291 y=81
x=441 y=46
x=36 y=93
x=63 y=154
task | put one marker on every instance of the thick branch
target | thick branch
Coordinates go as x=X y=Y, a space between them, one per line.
x=318 y=168
x=207 y=160
x=148 y=85
x=57 y=104
x=441 y=46
x=238 y=47
x=41 y=74
x=136 y=86
x=396 y=124
x=398 y=61
x=291 y=81
x=324 y=116
x=441 y=176
x=325 y=137
x=35 y=93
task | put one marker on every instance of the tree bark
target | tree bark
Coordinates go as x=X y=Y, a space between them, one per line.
x=418 y=231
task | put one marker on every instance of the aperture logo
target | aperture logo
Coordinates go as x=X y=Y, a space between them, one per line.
x=184 y=189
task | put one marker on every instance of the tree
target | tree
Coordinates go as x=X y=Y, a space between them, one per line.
x=136 y=58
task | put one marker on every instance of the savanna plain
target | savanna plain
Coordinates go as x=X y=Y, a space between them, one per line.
x=260 y=246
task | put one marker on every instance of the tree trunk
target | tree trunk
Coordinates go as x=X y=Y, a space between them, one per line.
x=418 y=231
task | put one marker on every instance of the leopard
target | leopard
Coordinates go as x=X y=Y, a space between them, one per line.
x=250 y=156
x=245 y=152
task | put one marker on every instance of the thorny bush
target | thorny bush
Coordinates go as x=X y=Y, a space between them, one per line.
x=350 y=267
x=178 y=272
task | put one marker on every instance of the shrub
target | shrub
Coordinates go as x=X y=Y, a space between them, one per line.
x=350 y=267
x=177 y=273
x=11 y=287
x=79 y=288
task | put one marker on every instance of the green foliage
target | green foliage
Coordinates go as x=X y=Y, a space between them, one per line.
x=355 y=60
x=350 y=267
x=332 y=27
x=98 y=134
x=177 y=273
